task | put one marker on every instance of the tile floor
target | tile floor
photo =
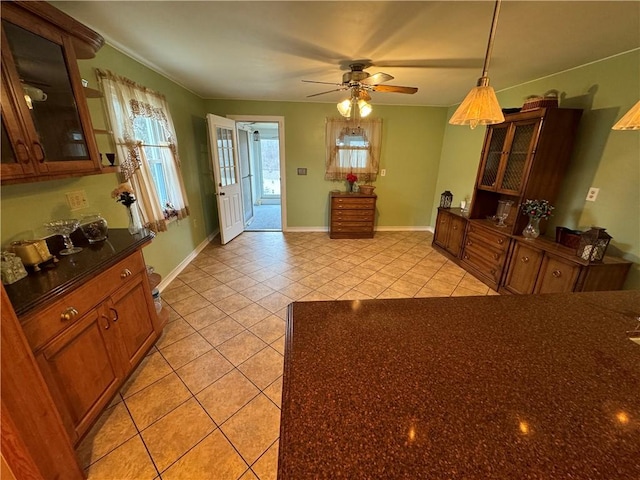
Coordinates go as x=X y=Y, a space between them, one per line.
x=205 y=402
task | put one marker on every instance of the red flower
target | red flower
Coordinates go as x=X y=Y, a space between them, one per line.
x=351 y=178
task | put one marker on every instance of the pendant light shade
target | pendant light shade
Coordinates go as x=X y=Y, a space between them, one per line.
x=358 y=107
x=630 y=120
x=480 y=106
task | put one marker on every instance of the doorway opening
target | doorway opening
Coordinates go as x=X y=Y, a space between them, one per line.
x=261 y=163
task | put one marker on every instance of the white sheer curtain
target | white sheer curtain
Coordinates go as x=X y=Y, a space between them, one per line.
x=353 y=146
x=126 y=101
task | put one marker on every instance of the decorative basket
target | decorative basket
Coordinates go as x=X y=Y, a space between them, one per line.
x=533 y=102
x=366 y=189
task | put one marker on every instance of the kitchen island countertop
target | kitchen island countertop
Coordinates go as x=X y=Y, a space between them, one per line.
x=502 y=387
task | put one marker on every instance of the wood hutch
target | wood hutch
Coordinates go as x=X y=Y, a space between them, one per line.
x=525 y=157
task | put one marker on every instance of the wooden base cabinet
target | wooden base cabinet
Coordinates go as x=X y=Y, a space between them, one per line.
x=89 y=341
x=449 y=231
x=352 y=215
x=542 y=266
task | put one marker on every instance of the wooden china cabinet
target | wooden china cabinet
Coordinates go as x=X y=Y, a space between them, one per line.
x=525 y=157
x=46 y=127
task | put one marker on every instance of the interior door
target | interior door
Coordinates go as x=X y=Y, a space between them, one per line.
x=226 y=175
x=244 y=156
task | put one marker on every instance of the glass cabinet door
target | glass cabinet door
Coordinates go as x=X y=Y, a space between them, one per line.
x=493 y=157
x=49 y=97
x=518 y=157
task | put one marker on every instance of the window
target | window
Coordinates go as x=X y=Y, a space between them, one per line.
x=147 y=149
x=353 y=148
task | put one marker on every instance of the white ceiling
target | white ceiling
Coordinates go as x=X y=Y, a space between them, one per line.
x=263 y=50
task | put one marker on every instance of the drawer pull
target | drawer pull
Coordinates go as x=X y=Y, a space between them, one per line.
x=455 y=227
x=469 y=242
x=501 y=241
x=107 y=325
x=557 y=273
x=466 y=257
x=69 y=314
x=125 y=273
x=524 y=259
x=496 y=256
x=115 y=314
x=492 y=271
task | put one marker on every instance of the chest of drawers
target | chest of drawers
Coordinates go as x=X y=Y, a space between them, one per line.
x=352 y=215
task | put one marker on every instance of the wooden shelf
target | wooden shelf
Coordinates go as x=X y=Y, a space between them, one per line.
x=92 y=92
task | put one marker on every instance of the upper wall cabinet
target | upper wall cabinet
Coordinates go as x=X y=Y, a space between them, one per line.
x=46 y=127
x=525 y=157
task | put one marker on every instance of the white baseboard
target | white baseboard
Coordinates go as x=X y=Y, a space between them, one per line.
x=176 y=271
x=307 y=229
x=378 y=229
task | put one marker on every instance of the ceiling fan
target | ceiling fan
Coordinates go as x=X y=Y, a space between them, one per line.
x=361 y=81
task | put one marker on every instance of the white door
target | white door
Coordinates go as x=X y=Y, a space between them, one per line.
x=244 y=156
x=226 y=175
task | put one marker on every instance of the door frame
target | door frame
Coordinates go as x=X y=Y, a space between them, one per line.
x=283 y=183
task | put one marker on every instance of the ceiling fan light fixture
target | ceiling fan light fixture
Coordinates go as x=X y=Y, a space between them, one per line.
x=630 y=120
x=480 y=106
x=364 y=107
x=344 y=107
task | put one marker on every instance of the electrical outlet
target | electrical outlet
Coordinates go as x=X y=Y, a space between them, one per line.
x=383 y=172
x=593 y=194
x=77 y=200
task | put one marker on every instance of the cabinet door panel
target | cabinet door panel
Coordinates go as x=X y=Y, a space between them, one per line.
x=523 y=269
x=130 y=310
x=81 y=370
x=442 y=229
x=491 y=162
x=556 y=276
x=519 y=154
x=456 y=235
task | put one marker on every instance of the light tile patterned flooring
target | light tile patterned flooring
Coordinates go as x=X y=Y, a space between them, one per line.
x=205 y=402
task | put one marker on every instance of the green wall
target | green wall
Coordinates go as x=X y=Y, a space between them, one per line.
x=411 y=145
x=602 y=158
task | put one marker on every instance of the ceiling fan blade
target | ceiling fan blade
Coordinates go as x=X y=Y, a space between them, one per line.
x=394 y=89
x=377 y=78
x=324 y=83
x=328 y=91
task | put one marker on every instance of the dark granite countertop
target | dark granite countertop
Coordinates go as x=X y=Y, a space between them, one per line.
x=40 y=288
x=499 y=387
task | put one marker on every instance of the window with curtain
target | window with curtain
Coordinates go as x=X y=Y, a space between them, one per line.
x=147 y=149
x=353 y=147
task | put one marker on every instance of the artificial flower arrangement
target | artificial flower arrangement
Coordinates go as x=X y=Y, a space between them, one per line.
x=124 y=194
x=537 y=208
x=351 y=178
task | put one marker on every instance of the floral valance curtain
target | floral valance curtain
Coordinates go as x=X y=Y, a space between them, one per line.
x=353 y=146
x=126 y=101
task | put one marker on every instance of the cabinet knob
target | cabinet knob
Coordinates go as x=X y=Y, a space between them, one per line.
x=492 y=271
x=524 y=259
x=69 y=314
x=496 y=256
x=501 y=241
x=125 y=273
x=466 y=257
x=469 y=242
x=107 y=324
x=557 y=273
x=455 y=227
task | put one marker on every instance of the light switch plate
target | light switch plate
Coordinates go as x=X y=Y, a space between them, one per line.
x=383 y=172
x=593 y=194
x=302 y=171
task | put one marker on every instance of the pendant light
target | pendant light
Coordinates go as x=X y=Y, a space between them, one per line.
x=480 y=106
x=630 y=120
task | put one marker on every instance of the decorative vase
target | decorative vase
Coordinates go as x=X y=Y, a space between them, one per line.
x=532 y=230
x=135 y=223
x=350 y=187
